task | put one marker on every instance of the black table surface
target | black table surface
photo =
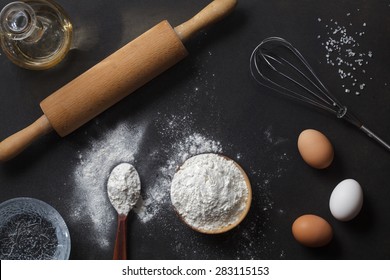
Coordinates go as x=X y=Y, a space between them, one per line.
x=210 y=94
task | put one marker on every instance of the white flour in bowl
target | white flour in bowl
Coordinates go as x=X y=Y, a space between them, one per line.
x=209 y=192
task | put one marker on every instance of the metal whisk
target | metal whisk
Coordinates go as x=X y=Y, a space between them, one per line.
x=276 y=64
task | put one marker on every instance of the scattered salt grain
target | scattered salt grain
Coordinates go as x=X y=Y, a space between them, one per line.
x=343 y=51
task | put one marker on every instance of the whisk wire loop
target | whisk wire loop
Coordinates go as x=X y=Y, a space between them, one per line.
x=265 y=58
x=276 y=64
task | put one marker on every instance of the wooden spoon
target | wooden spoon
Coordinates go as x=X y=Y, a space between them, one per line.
x=123 y=188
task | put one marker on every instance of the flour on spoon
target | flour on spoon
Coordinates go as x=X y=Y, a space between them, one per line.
x=123 y=188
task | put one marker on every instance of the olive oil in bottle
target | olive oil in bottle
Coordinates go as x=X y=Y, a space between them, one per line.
x=35 y=34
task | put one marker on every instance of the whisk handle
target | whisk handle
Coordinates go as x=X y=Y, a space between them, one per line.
x=351 y=118
x=375 y=137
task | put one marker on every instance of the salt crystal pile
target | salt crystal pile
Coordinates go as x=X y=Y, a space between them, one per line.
x=343 y=51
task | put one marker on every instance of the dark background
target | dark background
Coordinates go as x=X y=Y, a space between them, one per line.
x=256 y=127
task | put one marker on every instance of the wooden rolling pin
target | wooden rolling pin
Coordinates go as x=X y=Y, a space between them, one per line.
x=114 y=78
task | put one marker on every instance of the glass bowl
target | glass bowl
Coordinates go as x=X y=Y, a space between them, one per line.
x=31 y=229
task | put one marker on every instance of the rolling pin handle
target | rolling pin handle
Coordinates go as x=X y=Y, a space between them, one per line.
x=16 y=143
x=212 y=13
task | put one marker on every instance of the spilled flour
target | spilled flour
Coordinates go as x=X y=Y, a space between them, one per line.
x=90 y=202
x=157 y=165
x=177 y=141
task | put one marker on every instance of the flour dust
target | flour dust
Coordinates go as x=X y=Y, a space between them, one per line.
x=126 y=143
x=90 y=204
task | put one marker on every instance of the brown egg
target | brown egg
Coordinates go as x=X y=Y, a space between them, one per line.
x=312 y=231
x=315 y=148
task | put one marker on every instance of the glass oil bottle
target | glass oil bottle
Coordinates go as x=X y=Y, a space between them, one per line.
x=35 y=34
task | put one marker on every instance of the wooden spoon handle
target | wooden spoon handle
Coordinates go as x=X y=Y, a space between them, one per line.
x=16 y=143
x=212 y=13
x=120 y=249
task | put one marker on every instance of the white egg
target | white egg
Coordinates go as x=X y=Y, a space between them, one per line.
x=346 y=200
